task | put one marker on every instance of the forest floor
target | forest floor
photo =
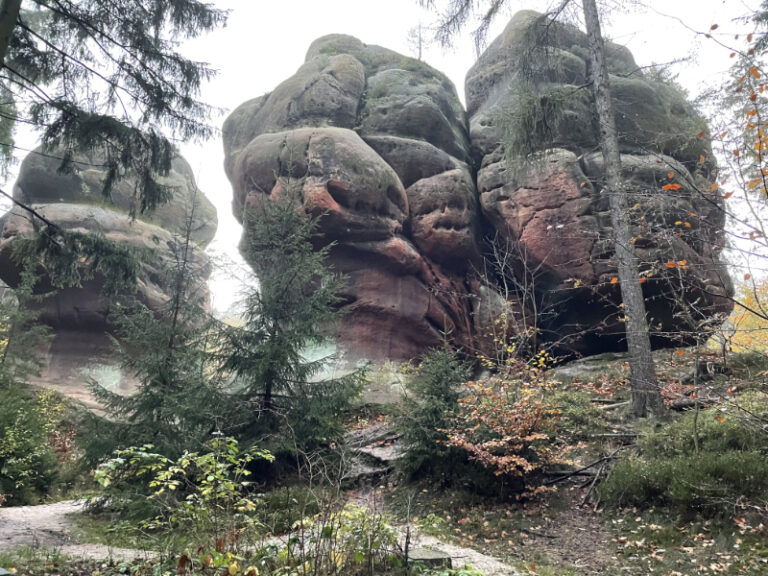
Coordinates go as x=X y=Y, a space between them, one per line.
x=568 y=532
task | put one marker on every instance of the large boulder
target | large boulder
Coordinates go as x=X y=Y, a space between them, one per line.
x=378 y=144
x=411 y=187
x=540 y=184
x=80 y=348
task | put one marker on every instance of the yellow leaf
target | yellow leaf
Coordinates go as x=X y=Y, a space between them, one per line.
x=234 y=568
x=678 y=223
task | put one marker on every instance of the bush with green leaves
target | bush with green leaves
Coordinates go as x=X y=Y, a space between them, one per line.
x=207 y=493
x=353 y=540
x=432 y=394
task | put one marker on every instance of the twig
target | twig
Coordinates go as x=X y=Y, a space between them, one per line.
x=592 y=486
x=612 y=406
x=587 y=467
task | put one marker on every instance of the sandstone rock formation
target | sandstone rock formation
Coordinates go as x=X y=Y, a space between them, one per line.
x=81 y=348
x=378 y=143
x=412 y=187
x=540 y=175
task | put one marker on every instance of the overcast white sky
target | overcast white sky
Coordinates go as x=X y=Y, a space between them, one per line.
x=265 y=42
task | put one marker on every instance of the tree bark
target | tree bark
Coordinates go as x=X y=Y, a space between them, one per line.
x=646 y=396
x=9 y=15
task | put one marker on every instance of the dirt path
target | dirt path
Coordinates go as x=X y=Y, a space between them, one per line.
x=466 y=556
x=460 y=556
x=47 y=526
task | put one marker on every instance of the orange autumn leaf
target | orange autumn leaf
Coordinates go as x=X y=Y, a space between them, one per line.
x=714 y=27
x=754 y=71
x=643 y=280
x=747 y=276
x=701 y=134
x=680 y=352
x=702 y=159
x=736 y=153
x=671 y=175
x=714 y=187
x=682 y=264
x=614 y=280
x=753 y=96
x=671 y=264
x=727 y=195
x=687 y=224
x=671 y=187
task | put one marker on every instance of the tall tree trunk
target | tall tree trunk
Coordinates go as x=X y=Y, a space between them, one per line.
x=646 y=396
x=9 y=14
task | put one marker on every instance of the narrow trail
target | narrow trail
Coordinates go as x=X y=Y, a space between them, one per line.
x=47 y=526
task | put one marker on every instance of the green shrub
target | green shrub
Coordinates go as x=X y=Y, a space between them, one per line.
x=729 y=468
x=207 y=492
x=708 y=482
x=432 y=394
x=27 y=459
x=716 y=432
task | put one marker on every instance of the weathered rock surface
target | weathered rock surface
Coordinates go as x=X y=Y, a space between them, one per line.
x=411 y=185
x=80 y=348
x=540 y=183
x=378 y=143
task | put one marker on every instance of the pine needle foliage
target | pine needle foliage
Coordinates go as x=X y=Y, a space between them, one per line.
x=90 y=74
x=433 y=394
x=20 y=333
x=293 y=309
x=180 y=400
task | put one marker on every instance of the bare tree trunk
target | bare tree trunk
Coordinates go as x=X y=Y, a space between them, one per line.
x=646 y=397
x=9 y=14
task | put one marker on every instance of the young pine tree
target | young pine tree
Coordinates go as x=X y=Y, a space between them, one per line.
x=292 y=310
x=433 y=393
x=180 y=400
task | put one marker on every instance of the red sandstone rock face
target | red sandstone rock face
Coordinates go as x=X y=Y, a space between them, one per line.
x=412 y=189
x=540 y=186
x=392 y=181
